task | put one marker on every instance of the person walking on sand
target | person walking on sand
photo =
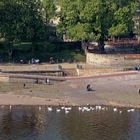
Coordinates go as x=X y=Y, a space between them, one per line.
x=47 y=81
x=36 y=81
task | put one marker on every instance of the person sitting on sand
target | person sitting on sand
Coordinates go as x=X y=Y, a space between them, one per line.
x=89 y=87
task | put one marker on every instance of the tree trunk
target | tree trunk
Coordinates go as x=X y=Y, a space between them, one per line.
x=101 y=45
x=10 y=51
x=84 y=46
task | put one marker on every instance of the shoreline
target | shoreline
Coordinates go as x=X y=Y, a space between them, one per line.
x=36 y=101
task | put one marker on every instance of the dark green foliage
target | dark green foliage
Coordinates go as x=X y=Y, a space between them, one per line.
x=49 y=9
x=22 y=20
x=59 y=52
x=67 y=52
x=89 y=20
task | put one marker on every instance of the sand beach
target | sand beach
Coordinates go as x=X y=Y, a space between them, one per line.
x=113 y=88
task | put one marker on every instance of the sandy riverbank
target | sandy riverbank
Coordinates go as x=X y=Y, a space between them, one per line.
x=110 y=90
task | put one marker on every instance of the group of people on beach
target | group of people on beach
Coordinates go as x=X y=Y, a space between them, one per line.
x=32 y=61
x=88 y=87
x=47 y=81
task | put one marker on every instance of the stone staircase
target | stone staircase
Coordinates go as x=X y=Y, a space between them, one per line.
x=70 y=72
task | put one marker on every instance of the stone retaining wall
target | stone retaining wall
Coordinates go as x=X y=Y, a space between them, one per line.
x=4 y=78
x=111 y=60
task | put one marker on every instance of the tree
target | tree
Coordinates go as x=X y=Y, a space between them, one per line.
x=33 y=27
x=21 y=20
x=50 y=8
x=89 y=20
x=123 y=18
x=9 y=20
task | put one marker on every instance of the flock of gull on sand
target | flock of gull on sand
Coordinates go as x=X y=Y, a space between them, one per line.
x=87 y=108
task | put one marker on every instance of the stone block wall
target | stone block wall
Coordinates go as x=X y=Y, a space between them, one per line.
x=105 y=60
x=4 y=78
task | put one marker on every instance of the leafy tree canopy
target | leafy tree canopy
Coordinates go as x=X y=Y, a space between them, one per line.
x=96 y=19
x=49 y=9
x=21 y=20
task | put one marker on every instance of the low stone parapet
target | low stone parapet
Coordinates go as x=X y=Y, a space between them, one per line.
x=112 y=59
x=132 y=56
x=4 y=78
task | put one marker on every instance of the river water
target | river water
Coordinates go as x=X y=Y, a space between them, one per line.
x=59 y=123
